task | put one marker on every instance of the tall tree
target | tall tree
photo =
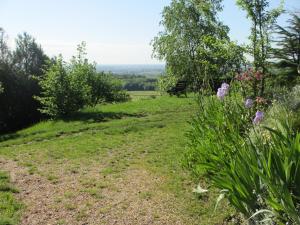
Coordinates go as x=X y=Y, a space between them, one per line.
x=287 y=50
x=29 y=57
x=4 y=50
x=194 y=44
x=262 y=19
x=18 y=107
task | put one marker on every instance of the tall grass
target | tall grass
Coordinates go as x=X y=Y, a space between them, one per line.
x=256 y=167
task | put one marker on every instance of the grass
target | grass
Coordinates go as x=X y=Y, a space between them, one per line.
x=9 y=206
x=147 y=133
x=139 y=95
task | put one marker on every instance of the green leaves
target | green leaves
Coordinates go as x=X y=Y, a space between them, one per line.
x=259 y=167
x=68 y=87
x=287 y=47
x=195 y=44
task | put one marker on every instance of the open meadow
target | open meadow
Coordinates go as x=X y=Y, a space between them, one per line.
x=112 y=164
x=167 y=112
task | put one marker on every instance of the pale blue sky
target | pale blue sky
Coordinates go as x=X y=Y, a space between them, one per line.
x=116 y=31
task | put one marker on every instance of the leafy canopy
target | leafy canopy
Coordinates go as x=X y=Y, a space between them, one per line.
x=194 y=43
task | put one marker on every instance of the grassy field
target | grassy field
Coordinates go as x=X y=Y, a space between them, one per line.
x=9 y=206
x=112 y=164
x=141 y=95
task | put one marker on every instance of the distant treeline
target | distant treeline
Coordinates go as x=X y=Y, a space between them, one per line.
x=138 y=82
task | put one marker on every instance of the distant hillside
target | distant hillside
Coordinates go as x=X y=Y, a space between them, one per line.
x=145 y=70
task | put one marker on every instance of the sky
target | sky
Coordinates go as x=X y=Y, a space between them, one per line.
x=116 y=31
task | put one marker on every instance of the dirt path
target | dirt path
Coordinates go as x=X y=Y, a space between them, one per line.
x=91 y=197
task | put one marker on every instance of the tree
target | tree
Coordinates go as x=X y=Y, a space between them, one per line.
x=18 y=108
x=29 y=57
x=262 y=19
x=287 y=51
x=194 y=44
x=4 y=50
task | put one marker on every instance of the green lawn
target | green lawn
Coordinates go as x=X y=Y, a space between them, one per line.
x=9 y=207
x=139 y=95
x=107 y=149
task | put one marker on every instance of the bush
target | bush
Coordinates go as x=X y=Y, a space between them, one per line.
x=107 y=88
x=62 y=92
x=68 y=87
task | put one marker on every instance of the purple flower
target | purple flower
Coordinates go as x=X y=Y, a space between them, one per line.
x=225 y=86
x=258 y=117
x=223 y=91
x=249 y=103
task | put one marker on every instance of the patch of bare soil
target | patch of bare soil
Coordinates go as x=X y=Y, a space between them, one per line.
x=89 y=197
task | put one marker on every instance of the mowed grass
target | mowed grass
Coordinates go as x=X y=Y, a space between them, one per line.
x=146 y=134
x=139 y=95
x=9 y=206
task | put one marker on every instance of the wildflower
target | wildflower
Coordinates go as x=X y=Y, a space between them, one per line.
x=258 y=117
x=248 y=103
x=223 y=91
x=225 y=86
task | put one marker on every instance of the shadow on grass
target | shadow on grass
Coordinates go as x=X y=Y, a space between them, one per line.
x=87 y=117
x=97 y=117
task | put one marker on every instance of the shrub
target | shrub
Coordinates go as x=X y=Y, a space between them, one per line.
x=68 y=87
x=107 y=88
x=63 y=92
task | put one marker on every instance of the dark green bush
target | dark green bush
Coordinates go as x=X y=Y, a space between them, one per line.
x=17 y=69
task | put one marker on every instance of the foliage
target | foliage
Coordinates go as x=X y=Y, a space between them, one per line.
x=287 y=53
x=17 y=68
x=28 y=57
x=59 y=95
x=137 y=82
x=262 y=19
x=107 y=88
x=194 y=44
x=68 y=87
x=216 y=123
x=166 y=82
x=256 y=167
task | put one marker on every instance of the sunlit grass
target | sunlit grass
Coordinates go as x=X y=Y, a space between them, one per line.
x=9 y=207
x=144 y=134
